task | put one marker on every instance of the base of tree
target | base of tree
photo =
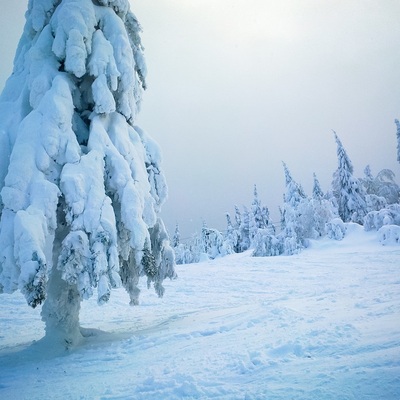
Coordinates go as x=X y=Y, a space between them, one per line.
x=60 y=312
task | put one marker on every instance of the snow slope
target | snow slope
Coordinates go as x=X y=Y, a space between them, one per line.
x=324 y=324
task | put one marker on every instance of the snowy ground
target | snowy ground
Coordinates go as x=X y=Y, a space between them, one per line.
x=324 y=324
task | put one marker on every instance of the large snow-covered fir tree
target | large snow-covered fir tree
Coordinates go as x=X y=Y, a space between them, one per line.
x=81 y=186
x=347 y=189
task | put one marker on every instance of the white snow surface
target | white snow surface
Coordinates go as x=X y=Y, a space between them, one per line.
x=322 y=324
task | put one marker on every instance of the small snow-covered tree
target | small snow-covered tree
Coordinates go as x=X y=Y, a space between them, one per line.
x=208 y=245
x=390 y=215
x=189 y=251
x=232 y=235
x=389 y=235
x=368 y=180
x=259 y=217
x=179 y=248
x=214 y=243
x=383 y=209
x=398 y=138
x=383 y=185
x=347 y=189
x=259 y=221
x=294 y=192
x=387 y=187
x=295 y=205
x=322 y=210
x=335 y=229
x=290 y=239
x=266 y=244
x=177 y=237
x=81 y=185
x=244 y=230
x=238 y=217
x=256 y=218
x=317 y=193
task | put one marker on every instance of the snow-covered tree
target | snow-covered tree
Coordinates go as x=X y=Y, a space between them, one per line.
x=232 y=235
x=294 y=192
x=347 y=189
x=382 y=199
x=213 y=243
x=336 y=229
x=389 y=235
x=179 y=248
x=317 y=193
x=290 y=239
x=383 y=185
x=259 y=216
x=208 y=245
x=238 y=217
x=256 y=217
x=322 y=210
x=81 y=185
x=189 y=251
x=398 y=138
x=244 y=230
x=177 y=237
x=294 y=206
x=390 y=215
x=266 y=244
x=368 y=180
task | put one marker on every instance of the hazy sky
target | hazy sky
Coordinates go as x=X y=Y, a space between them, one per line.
x=237 y=86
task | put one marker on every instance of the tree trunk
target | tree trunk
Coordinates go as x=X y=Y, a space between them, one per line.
x=60 y=310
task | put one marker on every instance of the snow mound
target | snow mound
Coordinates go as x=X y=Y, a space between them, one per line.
x=389 y=234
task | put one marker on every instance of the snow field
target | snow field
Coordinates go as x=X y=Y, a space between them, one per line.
x=323 y=324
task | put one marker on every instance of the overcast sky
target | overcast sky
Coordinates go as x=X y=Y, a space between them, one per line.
x=237 y=86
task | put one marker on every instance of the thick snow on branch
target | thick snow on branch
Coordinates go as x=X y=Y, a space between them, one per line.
x=31 y=190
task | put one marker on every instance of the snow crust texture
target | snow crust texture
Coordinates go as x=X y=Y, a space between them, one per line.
x=322 y=324
x=81 y=186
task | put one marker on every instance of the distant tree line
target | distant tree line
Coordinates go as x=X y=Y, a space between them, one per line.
x=371 y=201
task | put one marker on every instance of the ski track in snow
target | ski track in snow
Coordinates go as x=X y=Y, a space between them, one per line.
x=324 y=324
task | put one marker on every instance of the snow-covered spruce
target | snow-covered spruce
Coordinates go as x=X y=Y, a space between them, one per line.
x=389 y=215
x=232 y=234
x=210 y=244
x=335 y=229
x=213 y=243
x=381 y=189
x=81 y=186
x=323 y=210
x=302 y=218
x=347 y=189
x=259 y=217
x=396 y=121
x=297 y=223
